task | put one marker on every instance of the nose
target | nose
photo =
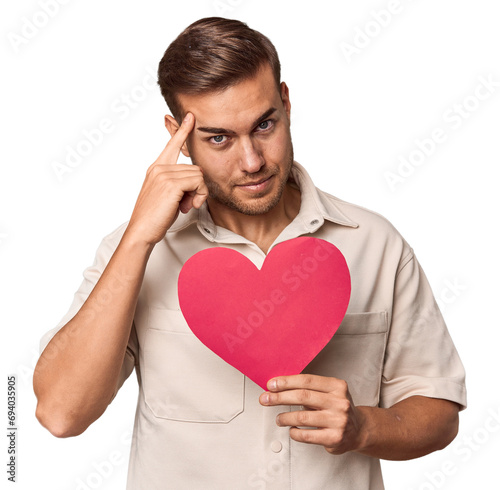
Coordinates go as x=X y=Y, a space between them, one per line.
x=251 y=159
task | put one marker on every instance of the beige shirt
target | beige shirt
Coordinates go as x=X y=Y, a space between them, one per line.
x=199 y=424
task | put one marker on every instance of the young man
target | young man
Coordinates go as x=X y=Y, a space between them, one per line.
x=388 y=385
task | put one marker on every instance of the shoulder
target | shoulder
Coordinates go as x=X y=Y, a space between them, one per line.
x=365 y=218
x=373 y=230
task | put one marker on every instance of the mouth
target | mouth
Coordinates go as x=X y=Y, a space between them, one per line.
x=256 y=186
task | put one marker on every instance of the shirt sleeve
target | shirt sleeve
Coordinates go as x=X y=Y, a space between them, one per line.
x=90 y=277
x=421 y=358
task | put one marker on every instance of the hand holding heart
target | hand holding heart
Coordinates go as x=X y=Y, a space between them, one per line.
x=328 y=408
x=270 y=323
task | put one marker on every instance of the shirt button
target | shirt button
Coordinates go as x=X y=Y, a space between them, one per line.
x=314 y=222
x=207 y=230
x=276 y=446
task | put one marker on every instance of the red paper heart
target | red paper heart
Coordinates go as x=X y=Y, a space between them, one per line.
x=272 y=321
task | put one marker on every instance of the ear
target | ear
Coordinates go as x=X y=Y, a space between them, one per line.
x=285 y=99
x=172 y=127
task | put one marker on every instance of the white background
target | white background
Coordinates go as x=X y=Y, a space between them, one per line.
x=353 y=117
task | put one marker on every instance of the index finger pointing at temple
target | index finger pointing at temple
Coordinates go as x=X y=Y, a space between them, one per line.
x=170 y=153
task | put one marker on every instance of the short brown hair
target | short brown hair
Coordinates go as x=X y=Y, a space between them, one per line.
x=211 y=55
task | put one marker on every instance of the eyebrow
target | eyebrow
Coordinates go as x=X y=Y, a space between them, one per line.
x=260 y=119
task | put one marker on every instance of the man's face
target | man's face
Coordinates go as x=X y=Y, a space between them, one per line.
x=242 y=143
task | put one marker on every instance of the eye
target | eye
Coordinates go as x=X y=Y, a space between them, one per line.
x=265 y=125
x=218 y=140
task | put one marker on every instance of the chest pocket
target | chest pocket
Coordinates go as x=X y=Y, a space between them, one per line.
x=356 y=354
x=183 y=379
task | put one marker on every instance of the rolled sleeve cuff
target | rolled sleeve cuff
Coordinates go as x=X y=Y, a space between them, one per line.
x=406 y=386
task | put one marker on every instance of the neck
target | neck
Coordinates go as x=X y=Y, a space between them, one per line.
x=261 y=229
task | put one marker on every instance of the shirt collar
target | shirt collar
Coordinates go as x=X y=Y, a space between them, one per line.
x=315 y=208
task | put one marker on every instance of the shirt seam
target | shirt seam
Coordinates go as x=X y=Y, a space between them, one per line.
x=411 y=256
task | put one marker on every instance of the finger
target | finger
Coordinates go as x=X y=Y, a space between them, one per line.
x=171 y=152
x=331 y=439
x=201 y=196
x=305 y=418
x=308 y=382
x=176 y=172
x=194 y=198
x=308 y=398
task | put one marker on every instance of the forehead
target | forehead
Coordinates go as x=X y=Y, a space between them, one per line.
x=237 y=106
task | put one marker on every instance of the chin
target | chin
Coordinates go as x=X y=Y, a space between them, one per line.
x=251 y=207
